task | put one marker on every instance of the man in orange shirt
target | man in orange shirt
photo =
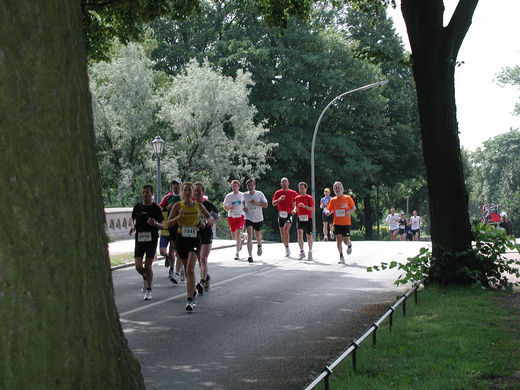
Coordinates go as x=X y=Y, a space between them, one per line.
x=343 y=206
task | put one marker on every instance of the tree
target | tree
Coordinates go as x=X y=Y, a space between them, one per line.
x=434 y=57
x=494 y=173
x=511 y=76
x=124 y=121
x=212 y=128
x=59 y=319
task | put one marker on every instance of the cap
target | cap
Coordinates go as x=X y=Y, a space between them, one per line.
x=503 y=214
x=177 y=180
x=326 y=189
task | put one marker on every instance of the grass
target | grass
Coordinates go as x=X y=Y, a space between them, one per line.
x=121 y=258
x=453 y=339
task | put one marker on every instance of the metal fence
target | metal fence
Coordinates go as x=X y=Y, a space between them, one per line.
x=327 y=372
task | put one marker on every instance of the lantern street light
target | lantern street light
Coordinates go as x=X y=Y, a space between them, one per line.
x=314 y=143
x=158 y=146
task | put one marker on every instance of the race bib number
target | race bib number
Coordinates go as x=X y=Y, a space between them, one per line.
x=144 y=236
x=189 y=231
x=402 y=227
x=283 y=214
x=303 y=218
x=340 y=212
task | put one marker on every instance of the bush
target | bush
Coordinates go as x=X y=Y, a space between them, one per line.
x=490 y=267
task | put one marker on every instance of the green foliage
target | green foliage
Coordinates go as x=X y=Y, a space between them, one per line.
x=415 y=269
x=490 y=248
x=491 y=266
x=511 y=76
x=494 y=174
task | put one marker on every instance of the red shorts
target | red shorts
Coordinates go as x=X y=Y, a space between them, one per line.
x=236 y=223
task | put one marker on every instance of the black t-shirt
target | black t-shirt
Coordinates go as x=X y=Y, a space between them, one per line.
x=213 y=210
x=141 y=213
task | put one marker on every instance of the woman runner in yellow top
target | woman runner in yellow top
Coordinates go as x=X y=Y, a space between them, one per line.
x=186 y=214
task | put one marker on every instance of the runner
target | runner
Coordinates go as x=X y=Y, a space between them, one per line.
x=393 y=222
x=343 y=206
x=233 y=204
x=254 y=201
x=284 y=199
x=303 y=207
x=166 y=238
x=146 y=219
x=415 y=225
x=327 y=219
x=403 y=223
x=206 y=236
x=186 y=214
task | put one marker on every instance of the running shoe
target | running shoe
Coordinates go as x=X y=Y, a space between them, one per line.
x=189 y=305
x=250 y=259
x=325 y=238
x=309 y=257
x=259 y=250
x=287 y=252
x=349 y=249
x=200 y=288
x=237 y=257
x=302 y=255
x=182 y=277
x=341 y=260
x=167 y=260
x=148 y=295
x=331 y=236
x=206 y=283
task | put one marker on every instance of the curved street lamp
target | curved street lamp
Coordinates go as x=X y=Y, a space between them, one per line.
x=158 y=146
x=382 y=82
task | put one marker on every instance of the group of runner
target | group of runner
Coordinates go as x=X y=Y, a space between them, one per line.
x=185 y=220
x=403 y=227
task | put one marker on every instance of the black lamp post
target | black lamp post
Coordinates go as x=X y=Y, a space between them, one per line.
x=158 y=146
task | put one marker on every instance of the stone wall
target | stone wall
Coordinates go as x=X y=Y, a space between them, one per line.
x=117 y=222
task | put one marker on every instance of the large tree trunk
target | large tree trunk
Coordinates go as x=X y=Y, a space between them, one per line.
x=369 y=221
x=60 y=326
x=434 y=53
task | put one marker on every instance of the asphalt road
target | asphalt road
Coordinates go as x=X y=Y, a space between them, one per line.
x=273 y=324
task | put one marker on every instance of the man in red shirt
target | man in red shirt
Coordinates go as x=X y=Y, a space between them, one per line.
x=342 y=205
x=303 y=207
x=284 y=199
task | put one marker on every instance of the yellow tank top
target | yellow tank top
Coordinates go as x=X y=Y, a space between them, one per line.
x=191 y=215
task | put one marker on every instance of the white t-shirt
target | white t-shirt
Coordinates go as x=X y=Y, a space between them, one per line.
x=254 y=212
x=416 y=222
x=393 y=220
x=238 y=201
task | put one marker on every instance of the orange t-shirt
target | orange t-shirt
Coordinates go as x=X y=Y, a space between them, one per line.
x=340 y=206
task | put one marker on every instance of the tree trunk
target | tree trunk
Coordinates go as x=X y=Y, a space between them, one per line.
x=369 y=221
x=60 y=326
x=434 y=53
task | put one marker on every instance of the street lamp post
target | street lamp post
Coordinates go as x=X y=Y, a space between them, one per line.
x=158 y=146
x=314 y=143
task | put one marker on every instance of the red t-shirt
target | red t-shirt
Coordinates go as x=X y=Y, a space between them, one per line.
x=287 y=203
x=307 y=201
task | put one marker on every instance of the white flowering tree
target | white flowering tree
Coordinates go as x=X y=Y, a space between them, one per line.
x=213 y=135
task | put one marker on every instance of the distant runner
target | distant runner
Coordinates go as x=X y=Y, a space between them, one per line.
x=304 y=206
x=254 y=201
x=284 y=200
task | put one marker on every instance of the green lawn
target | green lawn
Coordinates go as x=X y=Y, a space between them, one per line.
x=453 y=339
x=121 y=258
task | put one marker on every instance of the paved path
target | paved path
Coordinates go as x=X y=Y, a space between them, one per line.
x=273 y=324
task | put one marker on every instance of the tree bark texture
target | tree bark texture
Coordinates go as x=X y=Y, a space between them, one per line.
x=434 y=54
x=60 y=326
x=369 y=220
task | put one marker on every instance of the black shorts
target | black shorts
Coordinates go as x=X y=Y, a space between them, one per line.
x=344 y=230
x=415 y=231
x=327 y=218
x=206 y=235
x=256 y=225
x=148 y=247
x=283 y=221
x=401 y=231
x=306 y=226
x=185 y=245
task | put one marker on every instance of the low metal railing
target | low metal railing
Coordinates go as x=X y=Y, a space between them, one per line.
x=327 y=372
